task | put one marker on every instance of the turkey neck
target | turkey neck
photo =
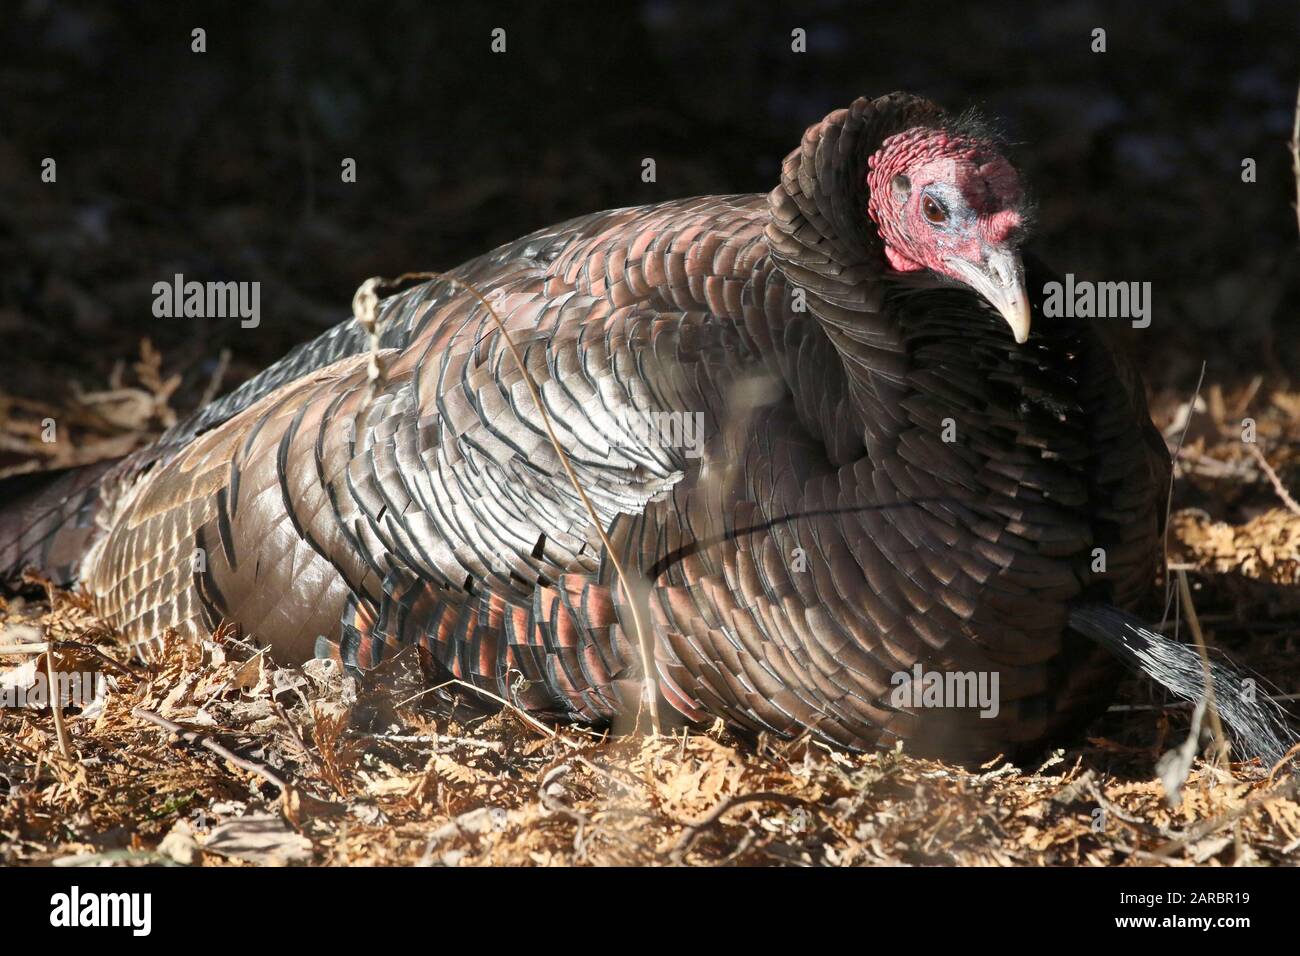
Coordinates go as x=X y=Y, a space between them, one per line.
x=970 y=444
x=934 y=386
x=823 y=243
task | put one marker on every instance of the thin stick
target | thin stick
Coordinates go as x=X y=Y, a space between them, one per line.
x=107 y=659
x=42 y=647
x=312 y=755
x=1295 y=156
x=1244 y=401
x=56 y=705
x=1169 y=498
x=526 y=717
x=16 y=649
x=1282 y=762
x=369 y=303
x=208 y=743
x=1220 y=743
x=493 y=745
x=218 y=376
x=1280 y=488
x=693 y=831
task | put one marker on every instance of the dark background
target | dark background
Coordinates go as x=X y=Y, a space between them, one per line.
x=225 y=165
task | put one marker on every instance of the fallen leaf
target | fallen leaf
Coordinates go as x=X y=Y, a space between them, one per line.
x=260 y=838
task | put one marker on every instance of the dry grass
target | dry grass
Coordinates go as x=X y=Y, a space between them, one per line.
x=365 y=775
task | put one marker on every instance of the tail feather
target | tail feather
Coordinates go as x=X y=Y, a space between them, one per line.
x=1256 y=722
x=47 y=520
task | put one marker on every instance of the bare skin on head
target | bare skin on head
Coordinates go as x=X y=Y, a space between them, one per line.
x=954 y=206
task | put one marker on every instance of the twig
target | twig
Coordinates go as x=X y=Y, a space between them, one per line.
x=56 y=706
x=208 y=743
x=1143 y=708
x=1212 y=707
x=1169 y=498
x=312 y=755
x=694 y=830
x=218 y=375
x=1280 y=488
x=1247 y=396
x=106 y=658
x=526 y=717
x=608 y=773
x=1295 y=156
x=365 y=307
x=493 y=745
x=17 y=649
x=1282 y=762
x=1208 y=467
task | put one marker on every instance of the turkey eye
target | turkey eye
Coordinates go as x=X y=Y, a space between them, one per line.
x=933 y=212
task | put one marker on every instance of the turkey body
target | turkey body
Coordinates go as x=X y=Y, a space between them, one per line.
x=860 y=476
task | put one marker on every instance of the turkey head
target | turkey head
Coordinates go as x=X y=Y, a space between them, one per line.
x=954 y=205
x=894 y=191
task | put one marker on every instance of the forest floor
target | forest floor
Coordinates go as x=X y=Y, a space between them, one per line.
x=217 y=754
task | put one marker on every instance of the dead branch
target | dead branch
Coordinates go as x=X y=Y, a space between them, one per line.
x=695 y=830
x=1282 y=493
x=199 y=740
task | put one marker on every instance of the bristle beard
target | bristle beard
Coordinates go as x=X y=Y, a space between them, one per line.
x=1256 y=723
x=975 y=125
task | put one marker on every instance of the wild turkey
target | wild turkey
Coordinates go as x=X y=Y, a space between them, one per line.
x=895 y=470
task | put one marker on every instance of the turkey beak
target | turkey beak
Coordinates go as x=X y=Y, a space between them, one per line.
x=1000 y=278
